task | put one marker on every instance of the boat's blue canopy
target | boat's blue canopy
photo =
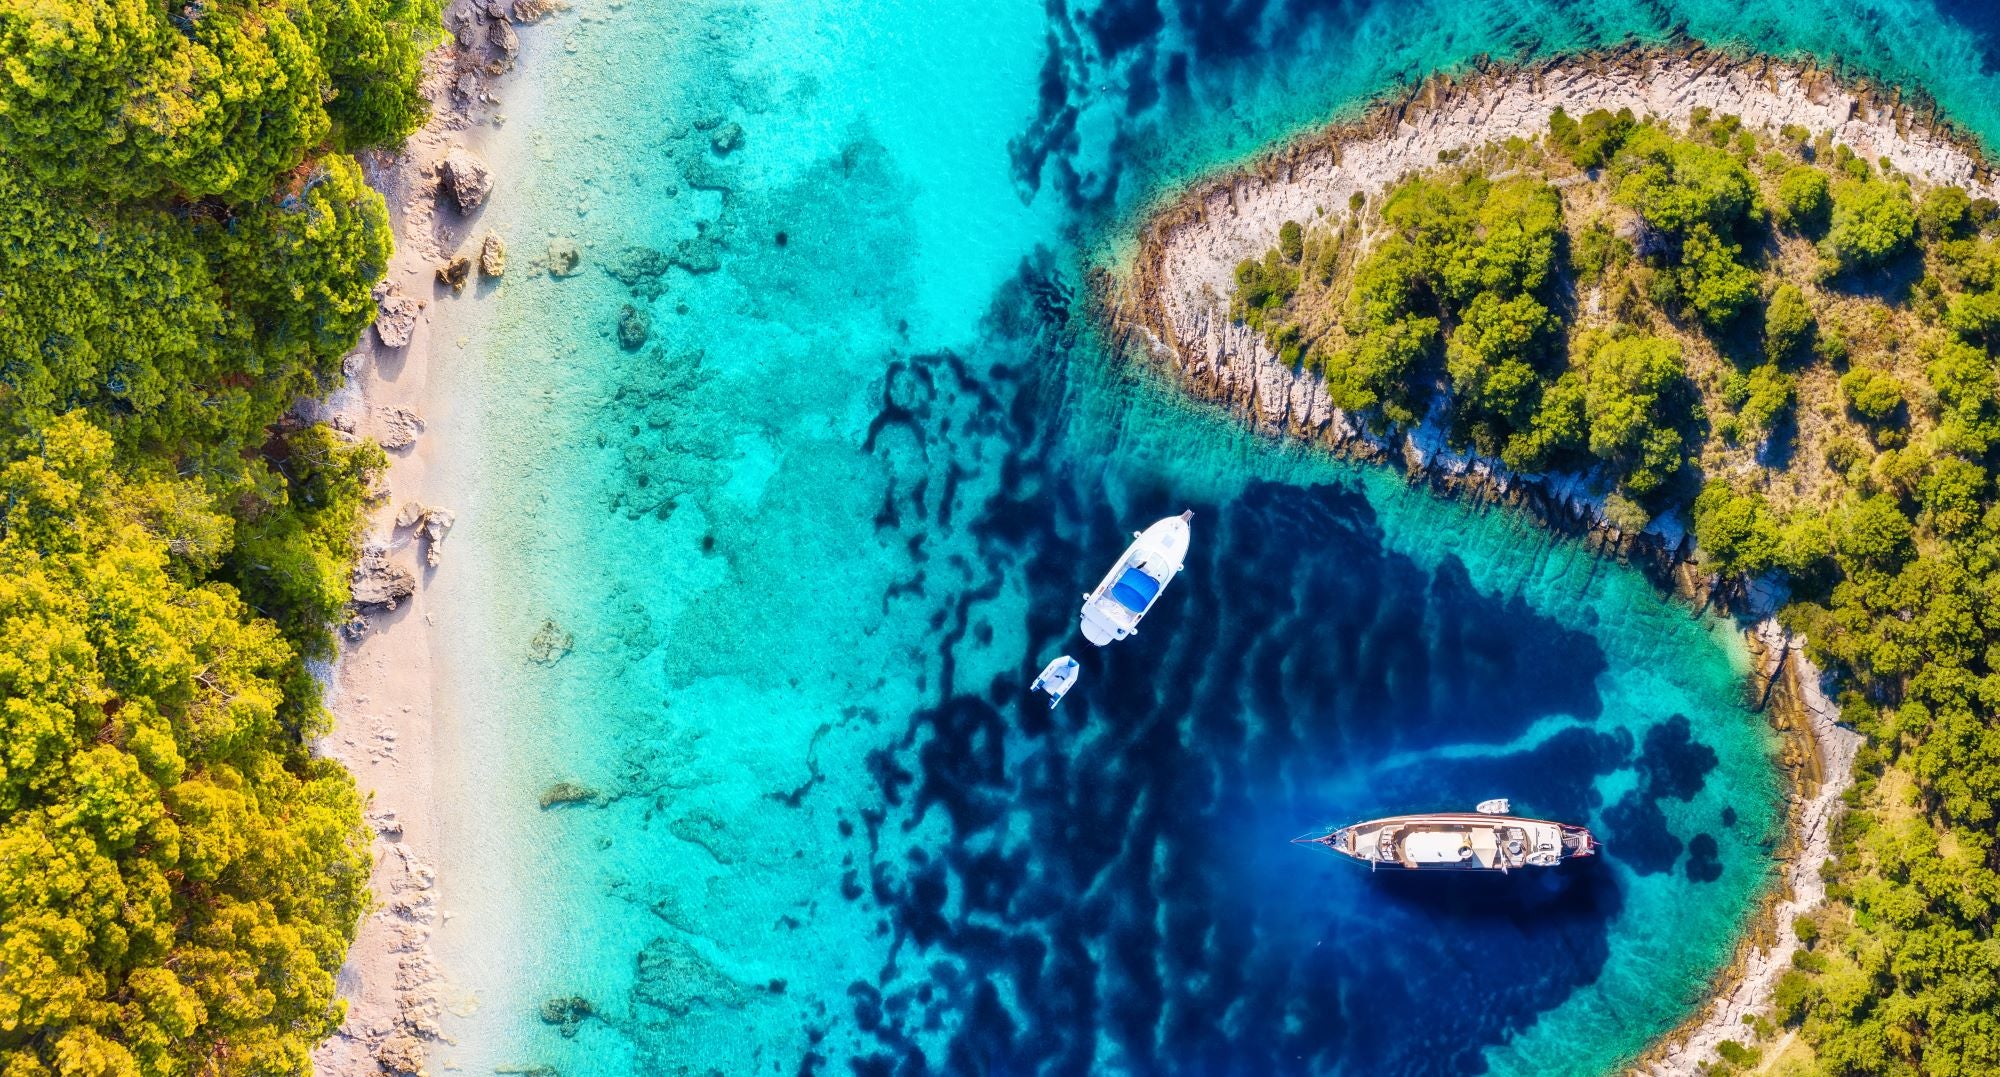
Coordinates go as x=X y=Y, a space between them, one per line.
x=1135 y=590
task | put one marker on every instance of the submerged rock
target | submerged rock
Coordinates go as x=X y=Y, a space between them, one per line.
x=640 y=269
x=635 y=327
x=567 y=1013
x=455 y=272
x=675 y=978
x=726 y=139
x=550 y=644
x=566 y=792
x=493 y=255
x=702 y=254
x=395 y=315
x=379 y=581
x=564 y=257
x=467 y=178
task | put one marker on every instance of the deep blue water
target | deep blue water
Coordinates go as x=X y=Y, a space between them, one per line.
x=814 y=538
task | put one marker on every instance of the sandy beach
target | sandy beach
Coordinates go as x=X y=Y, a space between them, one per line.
x=383 y=688
x=1175 y=301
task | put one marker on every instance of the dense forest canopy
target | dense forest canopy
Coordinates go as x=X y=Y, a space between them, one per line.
x=186 y=250
x=1792 y=349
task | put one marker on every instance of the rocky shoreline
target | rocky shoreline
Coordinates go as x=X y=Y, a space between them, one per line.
x=1170 y=305
x=381 y=687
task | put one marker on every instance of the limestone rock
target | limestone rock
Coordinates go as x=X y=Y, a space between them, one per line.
x=410 y=513
x=402 y=1054
x=455 y=272
x=501 y=33
x=468 y=179
x=493 y=255
x=400 y=426
x=529 y=12
x=379 y=581
x=635 y=327
x=386 y=824
x=395 y=315
x=564 y=257
x=726 y=139
x=436 y=522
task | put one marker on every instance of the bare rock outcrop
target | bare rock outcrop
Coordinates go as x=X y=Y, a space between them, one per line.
x=493 y=255
x=435 y=525
x=466 y=178
x=400 y=426
x=395 y=315
x=402 y=1054
x=432 y=524
x=455 y=272
x=378 y=581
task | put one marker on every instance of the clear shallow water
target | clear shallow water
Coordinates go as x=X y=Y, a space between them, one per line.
x=811 y=541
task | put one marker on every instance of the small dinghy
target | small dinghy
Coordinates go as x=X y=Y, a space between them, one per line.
x=1496 y=806
x=1057 y=678
x=1113 y=611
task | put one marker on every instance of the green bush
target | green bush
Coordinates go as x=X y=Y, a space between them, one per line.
x=1874 y=534
x=1736 y=1054
x=1768 y=395
x=1787 y=322
x=1736 y=530
x=1632 y=388
x=1713 y=279
x=1872 y=394
x=1873 y=221
x=1945 y=213
x=1804 y=199
x=1975 y=315
x=1593 y=141
x=1291 y=241
x=1676 y=185
x=1262 y=290
x=1595 y=248
x=297 y=541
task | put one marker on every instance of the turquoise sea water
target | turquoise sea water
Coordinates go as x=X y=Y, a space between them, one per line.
x=807 y=544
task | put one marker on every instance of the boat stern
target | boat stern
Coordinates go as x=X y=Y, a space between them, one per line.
x=1578 y=841
x=1099 y=629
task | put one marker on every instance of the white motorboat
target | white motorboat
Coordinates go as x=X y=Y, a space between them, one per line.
x=1134 y=584
x=1057 y=678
